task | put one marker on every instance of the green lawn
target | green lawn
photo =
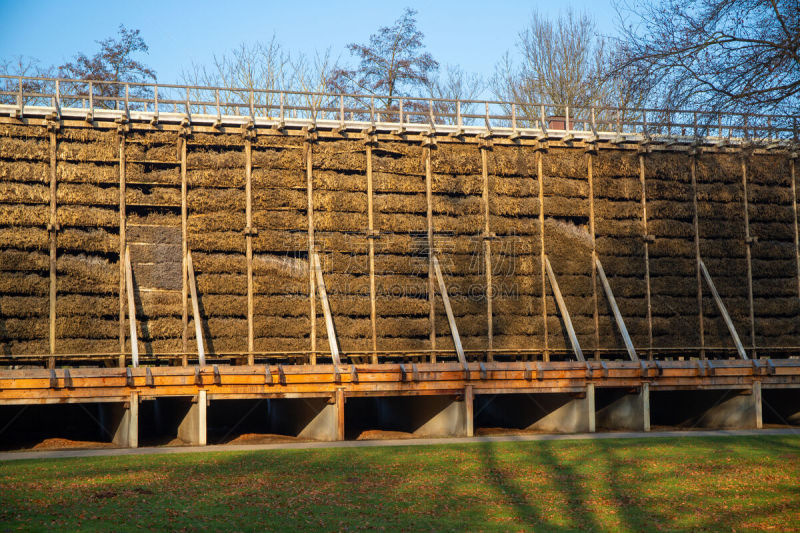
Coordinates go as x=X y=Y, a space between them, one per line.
x=619 y=485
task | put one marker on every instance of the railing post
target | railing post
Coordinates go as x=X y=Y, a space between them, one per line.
x=127 y=102
x=401 y=113
x=155 y=102
x=341 y=110
x=459 y=120
x=252 y=106
x=20 y=98
x=188 y=107
x=57 y=98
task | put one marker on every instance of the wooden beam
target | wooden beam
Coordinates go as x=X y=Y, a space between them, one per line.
x=562 y=308
x=748 y=240
x=450 y=317
x=595 y=306
x=487 y=250
x=131 y=308
x=723 y=311
x=626 y=338
x=53 y=231
x=695 y=223
x=198 y=320
x=792 y=160
x=311 y=250
x=184 y=251
x=326 y=309
x=542 y=256
x=248 y=191
x=431 y=288
x=373 y=314
x=646 y=237
x=123 y=243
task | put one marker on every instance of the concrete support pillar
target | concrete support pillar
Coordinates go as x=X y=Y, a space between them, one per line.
x=124 y=423
x=444 y=418
x=630 y=412
x=469 y=404
x=575 y=415
x=738 y=411
x=309 y=418
x=192 y=428
x=757 y=398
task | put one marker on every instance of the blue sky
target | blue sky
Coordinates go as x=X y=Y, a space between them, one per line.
x=473 y=34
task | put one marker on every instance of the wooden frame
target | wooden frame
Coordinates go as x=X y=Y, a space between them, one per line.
x=198 y=323
x=626 y=338
x=326 y=309
x=722 y=310
x=562 y=309
x=131 y=308
x=450 y=317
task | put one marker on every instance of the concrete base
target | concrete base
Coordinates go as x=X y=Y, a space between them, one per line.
x=124 y=423
x=425 y=416
x=629 y=411
x=307 y=418
x=781 y=406
x=549 y=412
x=192 y=427
x=740 y=411
x=711 y=409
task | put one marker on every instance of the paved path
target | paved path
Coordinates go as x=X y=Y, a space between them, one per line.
x=104 y=452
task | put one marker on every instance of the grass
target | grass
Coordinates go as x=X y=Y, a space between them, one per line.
x=725 y=483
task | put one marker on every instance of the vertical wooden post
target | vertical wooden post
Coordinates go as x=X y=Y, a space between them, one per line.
x=53 y=230
x=748 y=239
x=431 y=286
x=487 y=250
x=310 y=210
x=596 y=310
x=792 y=160
x=123 y=243
x=696 y=224
x=184 y=251
x=248 y=191
x=546 y=354
x=371 y=242
x=646 y=237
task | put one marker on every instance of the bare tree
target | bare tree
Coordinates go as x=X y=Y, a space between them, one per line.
x=265 y=67
x=715 y=54
x=23 y=66
x=393 y=64
x=562 y=62
x=451 y=85
x=114 y=62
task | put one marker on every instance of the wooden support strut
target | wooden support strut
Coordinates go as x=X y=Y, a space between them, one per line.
x=723 y=311
x=311 y=250
x=542 y=256
x=326 y=309
x=562 y=308
x=617 y=315
x=53 y=231
x=595 y=262
x=371 y=243
x=695 y=223
x=131 y=308
x=450 y=317
x=487 y=249
x=184 y=252
x=646 y=236
x=749 y=253
x=431 y=288
x=122 y=246
x=248 y=154
x=198 y=322
x=792 y=160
